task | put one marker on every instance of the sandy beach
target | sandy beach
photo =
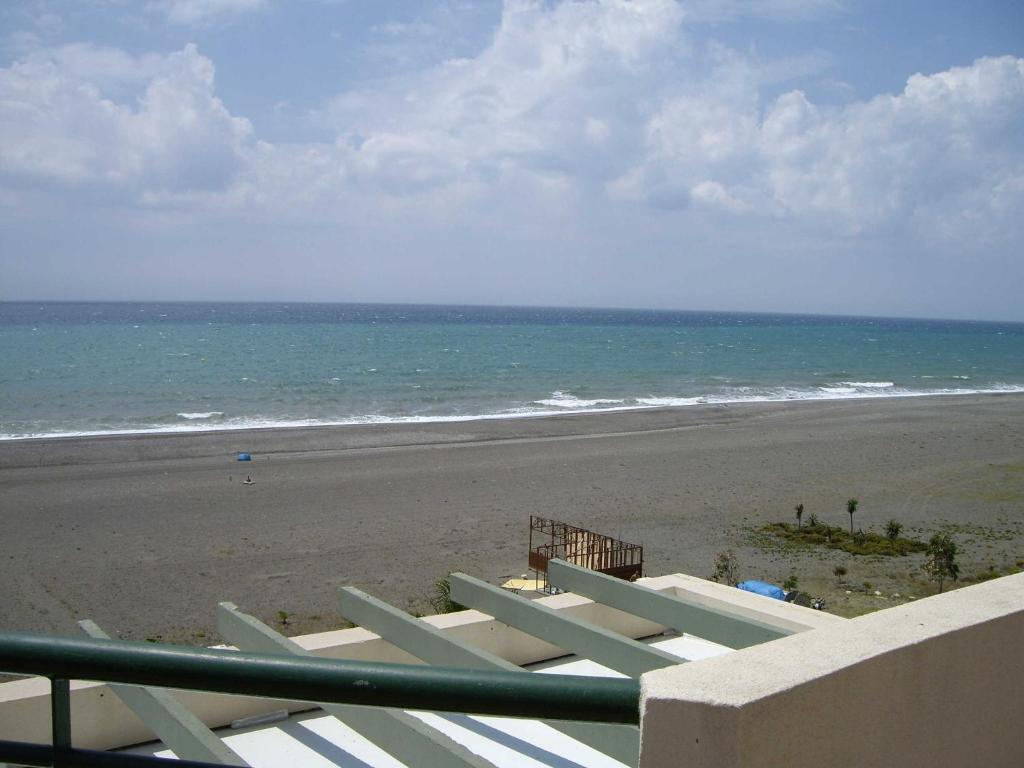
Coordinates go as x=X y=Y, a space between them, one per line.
x=146 y=533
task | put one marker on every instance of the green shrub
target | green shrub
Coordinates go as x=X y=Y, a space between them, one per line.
x=441 y=600
x=941 y=562
x=726 y=568
x=860 y=543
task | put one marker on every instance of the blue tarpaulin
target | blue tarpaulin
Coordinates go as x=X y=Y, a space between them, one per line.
x=763 y=588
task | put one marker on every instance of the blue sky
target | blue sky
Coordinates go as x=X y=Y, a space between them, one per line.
x=785 y=155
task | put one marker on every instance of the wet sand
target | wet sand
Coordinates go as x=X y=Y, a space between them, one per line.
x=146 y=533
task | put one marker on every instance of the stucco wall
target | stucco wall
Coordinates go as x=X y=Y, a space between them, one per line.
x=937 y=682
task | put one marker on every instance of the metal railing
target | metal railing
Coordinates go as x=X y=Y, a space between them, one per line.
x=511 y=694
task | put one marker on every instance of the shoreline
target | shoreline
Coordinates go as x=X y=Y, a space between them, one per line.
x=698 y=402
x=64 y=449
x=146 y=533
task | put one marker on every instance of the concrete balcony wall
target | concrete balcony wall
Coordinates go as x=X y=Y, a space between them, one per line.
x=937 y=682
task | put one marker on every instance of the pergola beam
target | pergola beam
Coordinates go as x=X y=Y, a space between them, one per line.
x=681 y=615
x=430 y=644
x=174 y=724
x=614 y=651
x=402 y=735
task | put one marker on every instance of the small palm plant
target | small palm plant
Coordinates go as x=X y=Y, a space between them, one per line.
x=851 y=507
x=441 y=600
x=893 y=529
x=799 y=513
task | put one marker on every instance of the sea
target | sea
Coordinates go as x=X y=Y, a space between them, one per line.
x=112 y=368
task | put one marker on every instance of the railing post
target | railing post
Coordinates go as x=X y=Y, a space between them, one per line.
x=60 y=719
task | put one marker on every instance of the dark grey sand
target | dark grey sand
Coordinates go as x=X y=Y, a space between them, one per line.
x=144 y=534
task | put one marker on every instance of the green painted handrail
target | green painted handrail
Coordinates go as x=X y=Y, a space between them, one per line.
x=557 y=697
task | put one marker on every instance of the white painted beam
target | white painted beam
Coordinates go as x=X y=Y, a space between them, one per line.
x=681 y=615
x=168 y=718
x=614 y=651
x=398 y=733
x=430 y=644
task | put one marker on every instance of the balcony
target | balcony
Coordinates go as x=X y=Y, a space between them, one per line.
x=711 y=675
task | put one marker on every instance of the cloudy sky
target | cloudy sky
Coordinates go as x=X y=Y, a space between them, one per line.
x=823 y=156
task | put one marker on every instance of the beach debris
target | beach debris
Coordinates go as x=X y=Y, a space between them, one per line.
x=248 y=480
x=245 y=457
x=762 y=588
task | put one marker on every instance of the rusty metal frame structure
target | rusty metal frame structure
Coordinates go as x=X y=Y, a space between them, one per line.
x=555 y=540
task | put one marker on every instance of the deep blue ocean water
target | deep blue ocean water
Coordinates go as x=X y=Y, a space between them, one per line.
x=127 y=367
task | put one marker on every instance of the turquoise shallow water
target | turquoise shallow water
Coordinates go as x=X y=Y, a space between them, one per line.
x=103 y=368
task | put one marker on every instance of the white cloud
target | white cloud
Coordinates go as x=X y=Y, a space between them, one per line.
x=714 y=11
x=943 y=153
x=547 y=96
x=941 y=158
x=591 y=105
x=715 y=195
x=59 y=125
x=202 y=11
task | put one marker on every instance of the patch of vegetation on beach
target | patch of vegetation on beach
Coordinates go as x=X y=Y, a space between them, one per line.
x=994 y=572
x=978 y=532
x=818 y=534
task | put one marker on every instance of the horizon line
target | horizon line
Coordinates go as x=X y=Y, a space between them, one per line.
x=922 y=318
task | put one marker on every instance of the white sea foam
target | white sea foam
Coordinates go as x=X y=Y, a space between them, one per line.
x=736 y=396
x=867 y=384
x=204 y=415
x=562 y=400
x=669 y=402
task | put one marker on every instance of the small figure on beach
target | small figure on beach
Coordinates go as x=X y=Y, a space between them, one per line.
x=248 y=480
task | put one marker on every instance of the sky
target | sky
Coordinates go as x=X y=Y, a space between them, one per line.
x=814 y=156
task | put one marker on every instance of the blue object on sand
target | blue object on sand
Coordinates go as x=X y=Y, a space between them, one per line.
x=762 y=588
x=244 y=457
